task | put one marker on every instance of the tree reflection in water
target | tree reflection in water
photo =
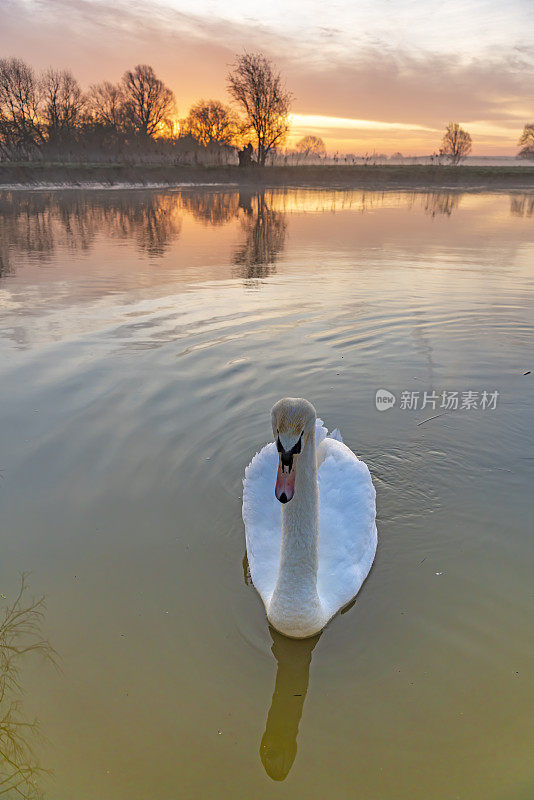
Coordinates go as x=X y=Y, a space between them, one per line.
x=279 y=743
x=437 y=203
x=153 y=224
x=522 y=205
x=20 y=636
x=265 y=234
x=213 y=208
x=38 y=224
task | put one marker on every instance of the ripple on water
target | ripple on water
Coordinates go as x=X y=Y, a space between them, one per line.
x=138 y=371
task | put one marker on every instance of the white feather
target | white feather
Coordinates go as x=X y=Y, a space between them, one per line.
x=347 y=528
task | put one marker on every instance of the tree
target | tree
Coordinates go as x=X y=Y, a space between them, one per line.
x=257 y=88
x=20 y=128
x=210 y=121
x=456 y=143
x=106 y=104
x=62 y=103
x=526 y=141
x=311 y=146
x=148 y=104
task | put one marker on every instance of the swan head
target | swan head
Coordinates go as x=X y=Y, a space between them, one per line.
x=293 y=421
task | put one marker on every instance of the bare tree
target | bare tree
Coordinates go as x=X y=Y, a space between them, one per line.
x=210 y=121
x=526 y=141
x=20 y=128
x=62 y=103
x=456 y=143
x=311 y=146
x=149 y=104
x=257 y=88
x=105 y=102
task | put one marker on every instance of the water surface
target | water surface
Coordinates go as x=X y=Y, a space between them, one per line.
x=144 y=336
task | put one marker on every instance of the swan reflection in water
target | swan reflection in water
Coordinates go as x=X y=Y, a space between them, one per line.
x=278 y=747
x=279 y=743
x=20 y=636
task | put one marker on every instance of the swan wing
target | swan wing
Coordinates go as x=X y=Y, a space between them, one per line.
x=347 y=530
x=320 y=432
x=262 y=515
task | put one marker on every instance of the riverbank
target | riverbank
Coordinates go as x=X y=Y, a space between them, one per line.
x=383 y=176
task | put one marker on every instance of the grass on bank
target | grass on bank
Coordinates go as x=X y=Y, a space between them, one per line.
x=365 y=176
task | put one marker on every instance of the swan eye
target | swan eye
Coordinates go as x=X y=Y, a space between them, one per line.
x=297 y=448
x=279 y=445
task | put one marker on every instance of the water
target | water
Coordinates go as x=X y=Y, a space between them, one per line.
x=144 y=337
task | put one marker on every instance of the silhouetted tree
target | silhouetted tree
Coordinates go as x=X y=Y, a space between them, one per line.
x=210 y=121
x=257 y=88
x=20 y=128
x=456 y=143
x=148 y=104
x=62 y=104
x=105 y=102
x=311 y=146
x=526 y=141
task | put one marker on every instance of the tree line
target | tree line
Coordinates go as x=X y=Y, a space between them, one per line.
x=51 y=111
x=49 y=114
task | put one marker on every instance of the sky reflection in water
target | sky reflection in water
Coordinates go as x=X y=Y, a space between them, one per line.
x=144 y=336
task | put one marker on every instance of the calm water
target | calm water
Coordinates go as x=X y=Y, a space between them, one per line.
x=143 y=338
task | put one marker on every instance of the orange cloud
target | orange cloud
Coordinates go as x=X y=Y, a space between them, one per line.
x=381 y=85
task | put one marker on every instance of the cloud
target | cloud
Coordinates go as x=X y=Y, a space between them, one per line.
x=314 y=121
x=425 y=87
x=394 y=65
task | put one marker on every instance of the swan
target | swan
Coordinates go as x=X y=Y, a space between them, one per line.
x=312 y=541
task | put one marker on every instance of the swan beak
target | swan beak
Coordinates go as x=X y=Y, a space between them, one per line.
x=285 y=481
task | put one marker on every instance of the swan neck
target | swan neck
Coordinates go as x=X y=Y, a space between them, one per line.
x=296 y=587
x=300 y=517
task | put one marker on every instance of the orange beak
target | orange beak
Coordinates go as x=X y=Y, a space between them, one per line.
x=285 y=481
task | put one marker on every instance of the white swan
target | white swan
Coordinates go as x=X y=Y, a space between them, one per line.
x=309 y=557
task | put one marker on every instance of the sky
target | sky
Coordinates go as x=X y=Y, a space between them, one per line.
x=367 y=75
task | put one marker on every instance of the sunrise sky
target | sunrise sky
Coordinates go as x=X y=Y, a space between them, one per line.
x=367 y=75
